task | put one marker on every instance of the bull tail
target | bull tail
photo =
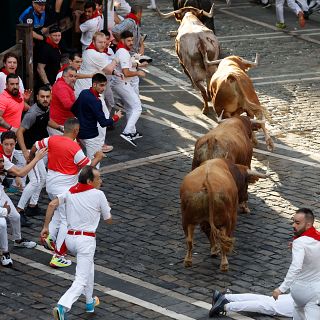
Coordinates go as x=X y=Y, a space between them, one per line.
x=224 y=242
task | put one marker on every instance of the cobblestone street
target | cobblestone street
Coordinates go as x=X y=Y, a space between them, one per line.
x=139 y=259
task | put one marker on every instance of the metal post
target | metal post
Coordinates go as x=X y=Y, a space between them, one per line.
x=105 y=13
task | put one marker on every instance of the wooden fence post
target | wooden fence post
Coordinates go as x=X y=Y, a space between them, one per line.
x=24 y=35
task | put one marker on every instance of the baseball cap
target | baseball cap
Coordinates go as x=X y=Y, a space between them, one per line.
x=39 y=1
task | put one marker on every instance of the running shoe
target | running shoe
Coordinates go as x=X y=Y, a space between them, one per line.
x=136 y=135
x=6 y=260
x=24 y=243
x=90 y=306
x=218 y=308
x=59 y=262
x=59 y=313
x=48 y=243
x=280 y=25
x=128 y=137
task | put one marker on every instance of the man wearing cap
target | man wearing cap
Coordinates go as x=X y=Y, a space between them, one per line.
x=36 y=16
x=303 y=276
x=50 y=57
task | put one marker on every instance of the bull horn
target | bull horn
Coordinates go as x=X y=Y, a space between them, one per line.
x=209 y=14
x=255 y=121
x=166 y=15
x=256 y=173
x=255 y=63
x=211 y=63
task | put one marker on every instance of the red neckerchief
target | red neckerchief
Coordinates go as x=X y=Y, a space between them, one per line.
x=312 y=233
x=8 y=156
x=95 y=14
x=92 y=46
x=133 y=17
x=122 y=45
x=4 y=70
x=63 y=67
x=80 y=187
x=51 y=43
x=95 y=93
x=18 y=98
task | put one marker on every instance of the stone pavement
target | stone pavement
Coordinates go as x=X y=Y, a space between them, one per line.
x=139 y=259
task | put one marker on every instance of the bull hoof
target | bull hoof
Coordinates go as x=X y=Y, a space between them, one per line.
x=205 y=111
x=246 y=210
x=215 y=252
x=188 y=263
x=224 y=267
x=270 y=144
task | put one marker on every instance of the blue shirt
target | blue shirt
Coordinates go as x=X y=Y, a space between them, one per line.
x=29 y=16
x=88 y=109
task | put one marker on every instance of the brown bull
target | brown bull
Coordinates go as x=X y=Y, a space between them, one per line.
x=194 y=42
x=209 y=197
x=232 y=91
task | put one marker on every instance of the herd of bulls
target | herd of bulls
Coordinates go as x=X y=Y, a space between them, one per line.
x=216 y=188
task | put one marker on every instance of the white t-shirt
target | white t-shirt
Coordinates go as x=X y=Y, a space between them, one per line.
x=84 y=209
x=3 y=78
x=88 y=28
x=93 y=62
x=125 y=63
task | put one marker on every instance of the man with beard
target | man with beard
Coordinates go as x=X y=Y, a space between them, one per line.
x=33 y=128
x=12 y=104
x=303 y=276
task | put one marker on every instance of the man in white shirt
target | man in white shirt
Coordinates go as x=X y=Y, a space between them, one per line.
x=303 y=276
x=85 y=204
x=92 y=22
x=127 y=88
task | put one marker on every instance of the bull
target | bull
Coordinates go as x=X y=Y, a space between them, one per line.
x=194 y=42
x=209 y=197
x=232 y=91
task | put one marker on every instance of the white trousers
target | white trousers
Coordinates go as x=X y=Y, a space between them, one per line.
x=84 y=248
x=14 y=219
x=54 y=132
x=260 y=304
x=93 y=145
x=37 y=180
x=292 y=5
x=305 y=297
x=131 y=102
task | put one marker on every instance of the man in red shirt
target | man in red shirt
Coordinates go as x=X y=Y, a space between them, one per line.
x=62 y=99
x=11 y=104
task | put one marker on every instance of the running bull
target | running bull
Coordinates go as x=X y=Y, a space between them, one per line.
x=194 y=42
x=209 y=196
x=232 y=91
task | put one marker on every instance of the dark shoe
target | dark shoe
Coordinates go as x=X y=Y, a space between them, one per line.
x=33 y=211
x=215 y=296
x=137 y=135
x=128 y=137
x=23 y=220
x=218 y=308
x=306 y=15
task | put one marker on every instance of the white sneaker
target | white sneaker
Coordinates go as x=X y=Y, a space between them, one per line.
x=6 y=260
x=24 y=243
x=152 y=7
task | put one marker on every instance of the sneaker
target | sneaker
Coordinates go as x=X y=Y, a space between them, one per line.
x=218 y=308
x=306 y=15
x=280 y=25
x=106 y=148
x=48 y=243
x=137 y=135
x=128 y=137
x=6 y=260
x=23 y=220
x=302 y=22
x=59 y=313
x=59 y=262
x=32 y=211
x=215 y=296
x=24 y=243
x=90 y=306
x=267 y=5
x=152 y=7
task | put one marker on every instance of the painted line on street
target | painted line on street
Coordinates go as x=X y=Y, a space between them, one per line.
x=104 y=289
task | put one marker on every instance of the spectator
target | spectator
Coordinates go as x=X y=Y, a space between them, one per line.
x=303 y=276
x=89 y=111
x=50 y=57
x=36 y=16
x=122 y=7
x=85 y=204
x=88 y=22
x=62 y=100
x=126 y=88
x=295 y=8
x=10 y=64
x=12 y=103
x=65 y=160
x=33 y=128
x=131 y=23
